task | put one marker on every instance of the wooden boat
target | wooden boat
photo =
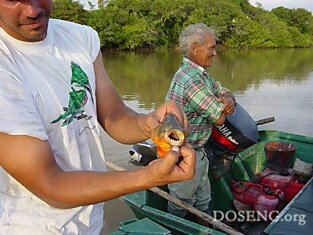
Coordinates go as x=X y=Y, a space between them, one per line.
x=246 y=165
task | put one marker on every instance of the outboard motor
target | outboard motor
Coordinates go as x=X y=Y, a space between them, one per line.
x=237 y=133
x=143 y=153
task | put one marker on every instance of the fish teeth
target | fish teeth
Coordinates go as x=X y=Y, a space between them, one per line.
x=174 y=142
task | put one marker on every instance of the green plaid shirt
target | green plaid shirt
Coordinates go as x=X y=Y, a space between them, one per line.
x=195 y=91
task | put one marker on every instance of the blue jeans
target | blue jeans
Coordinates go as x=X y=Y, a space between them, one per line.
x=195 y=192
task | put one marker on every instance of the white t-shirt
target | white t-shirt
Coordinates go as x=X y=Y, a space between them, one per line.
x=47 y=91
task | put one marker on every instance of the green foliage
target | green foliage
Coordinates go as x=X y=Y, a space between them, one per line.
x=100 y=4
x=135 y=24
x=248 y=33
x=299 y=39
x=299 y=18
x=280 y=36
x=217 y=14
x=69 y=10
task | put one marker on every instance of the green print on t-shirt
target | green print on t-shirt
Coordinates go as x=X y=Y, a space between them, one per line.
x=77 y=97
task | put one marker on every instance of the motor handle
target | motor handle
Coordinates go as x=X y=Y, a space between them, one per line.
x=265 y=121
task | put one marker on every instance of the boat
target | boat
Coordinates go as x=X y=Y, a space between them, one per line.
x=293 y=217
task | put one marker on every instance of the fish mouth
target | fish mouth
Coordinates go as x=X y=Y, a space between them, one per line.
x=167 y=135
x=175 y=137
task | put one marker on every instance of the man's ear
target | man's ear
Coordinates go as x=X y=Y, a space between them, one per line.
x=194 y=49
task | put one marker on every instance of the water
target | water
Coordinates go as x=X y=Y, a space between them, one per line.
x=267 y=83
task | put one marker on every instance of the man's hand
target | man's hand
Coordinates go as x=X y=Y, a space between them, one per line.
x=229 y=105
x=154 y=119
x=166 y=170
x=229 y=101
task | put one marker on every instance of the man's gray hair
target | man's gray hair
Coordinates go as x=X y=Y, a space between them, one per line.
x=193 y=33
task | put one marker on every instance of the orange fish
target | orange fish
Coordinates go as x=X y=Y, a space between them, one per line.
x=168 y=134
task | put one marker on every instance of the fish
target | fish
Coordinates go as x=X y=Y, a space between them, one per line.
x=168 y=134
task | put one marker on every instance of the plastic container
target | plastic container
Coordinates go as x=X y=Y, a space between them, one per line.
x=279 y=156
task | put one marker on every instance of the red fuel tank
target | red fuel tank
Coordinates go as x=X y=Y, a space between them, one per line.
x=289 y=184
x=258 y=197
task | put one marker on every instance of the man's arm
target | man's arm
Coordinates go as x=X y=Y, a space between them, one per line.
x=122 y=123
x=31 y=162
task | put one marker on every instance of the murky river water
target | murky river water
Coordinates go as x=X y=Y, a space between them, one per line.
x=266 y=83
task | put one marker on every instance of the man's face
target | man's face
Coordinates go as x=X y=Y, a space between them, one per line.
x=203 y=54
x=25 y=20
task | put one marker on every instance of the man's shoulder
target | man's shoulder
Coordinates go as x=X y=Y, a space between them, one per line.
x=64 y=24
x=187 y=75
x=68 y=33
x=64 y=27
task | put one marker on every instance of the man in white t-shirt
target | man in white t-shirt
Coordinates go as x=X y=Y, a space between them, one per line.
x=54 y=92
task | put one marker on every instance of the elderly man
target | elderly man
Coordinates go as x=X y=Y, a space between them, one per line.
x=205 y=103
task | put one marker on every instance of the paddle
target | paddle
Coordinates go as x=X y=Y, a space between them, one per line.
x=189 y=208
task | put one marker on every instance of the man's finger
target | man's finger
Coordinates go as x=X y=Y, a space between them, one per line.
x=169 y=160
x=189 y=159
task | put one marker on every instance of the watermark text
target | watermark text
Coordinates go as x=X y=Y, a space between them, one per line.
x=258 y=216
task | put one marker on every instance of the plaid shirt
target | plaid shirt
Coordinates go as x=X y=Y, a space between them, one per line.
x=195 y=91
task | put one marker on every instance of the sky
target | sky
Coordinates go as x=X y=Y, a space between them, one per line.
x=85 y=3
x=269 y=4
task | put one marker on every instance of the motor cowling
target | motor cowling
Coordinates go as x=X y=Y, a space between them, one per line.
x=237 y=133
